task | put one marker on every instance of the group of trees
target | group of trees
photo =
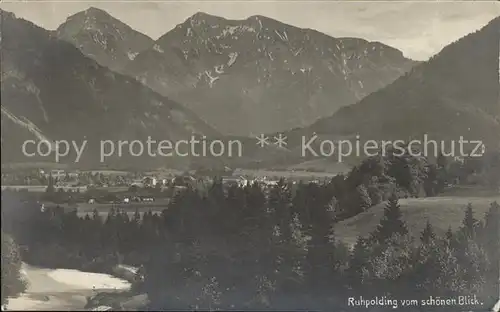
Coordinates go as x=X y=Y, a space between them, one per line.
x=254 y=248
x=12 y=281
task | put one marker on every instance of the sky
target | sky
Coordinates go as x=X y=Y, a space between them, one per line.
x=419 y=29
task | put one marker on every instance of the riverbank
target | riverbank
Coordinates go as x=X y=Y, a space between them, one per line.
x=61 y=289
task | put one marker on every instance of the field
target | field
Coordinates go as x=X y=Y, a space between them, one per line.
x=107 y=172
x=322 y=165
x=442 y=212
x=42 y=188
x=288 y=174
x=130 y=208
x=112 y=189
x=8 y=167
x=470 y=191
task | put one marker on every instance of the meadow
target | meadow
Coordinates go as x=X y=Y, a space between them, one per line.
x=443 y=212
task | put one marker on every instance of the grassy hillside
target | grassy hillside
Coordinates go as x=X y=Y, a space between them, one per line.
x=442 y=212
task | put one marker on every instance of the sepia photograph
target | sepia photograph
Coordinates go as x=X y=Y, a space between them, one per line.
x=250 y=155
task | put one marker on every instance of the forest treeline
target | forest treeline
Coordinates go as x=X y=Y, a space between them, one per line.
x=250 y=247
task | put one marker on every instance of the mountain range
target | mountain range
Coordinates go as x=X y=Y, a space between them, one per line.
x=51 y=90
x=456 y=93
x=96 y=78
x=243 y=77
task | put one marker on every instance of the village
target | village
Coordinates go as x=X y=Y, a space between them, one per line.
x=101 y=190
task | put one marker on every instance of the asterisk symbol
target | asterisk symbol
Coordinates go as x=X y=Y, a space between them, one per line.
x=262 y=140
x=280 y=140
x=483 y=149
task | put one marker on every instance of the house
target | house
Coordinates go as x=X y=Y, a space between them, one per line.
x=183 y=181
x=266 y=181
x=138 y=183
x=238 y=181
x=57 y=174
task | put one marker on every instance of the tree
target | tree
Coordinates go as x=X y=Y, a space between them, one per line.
x=391 y=222
x=321 y=246
x=491 y=169
x=442 y=161
x=491 y=242
x=280 y=203
x=133 y=189
x=390 y=264
x=50 y=186
x=12 y=283
x=287 y=236
x=430 y=183
x=362 y=199
x=492 y=228
x=409 y=171
x=357 y=267
x=428 y=234
x=469 y=223
x=448 y=235
x=148 y=181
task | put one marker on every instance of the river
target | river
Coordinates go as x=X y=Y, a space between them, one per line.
x=61 y=289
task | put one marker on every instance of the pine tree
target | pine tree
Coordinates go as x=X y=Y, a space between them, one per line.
x=430 y=182
x=357 y=267
x=289 y=238
x=95 y=215
x=469 y=223
x=298 y=249
x=428 y=235
x=137 y=217
x=363 y=200
x=449 y=280
x=280 y=203
x=491 y=243
x=391 y=222
x=321 y=246
x=442 y=161
x=492 y=223
x=449 y=236
x=50 y=186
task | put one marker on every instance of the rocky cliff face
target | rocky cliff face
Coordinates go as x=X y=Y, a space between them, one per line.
x=260 y=75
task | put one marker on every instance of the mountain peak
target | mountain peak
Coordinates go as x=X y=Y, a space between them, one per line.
x=199 y=15
x=112 y=42
x=262 y=18
x=95 y=11
x=204 y=17
x=92 y=14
